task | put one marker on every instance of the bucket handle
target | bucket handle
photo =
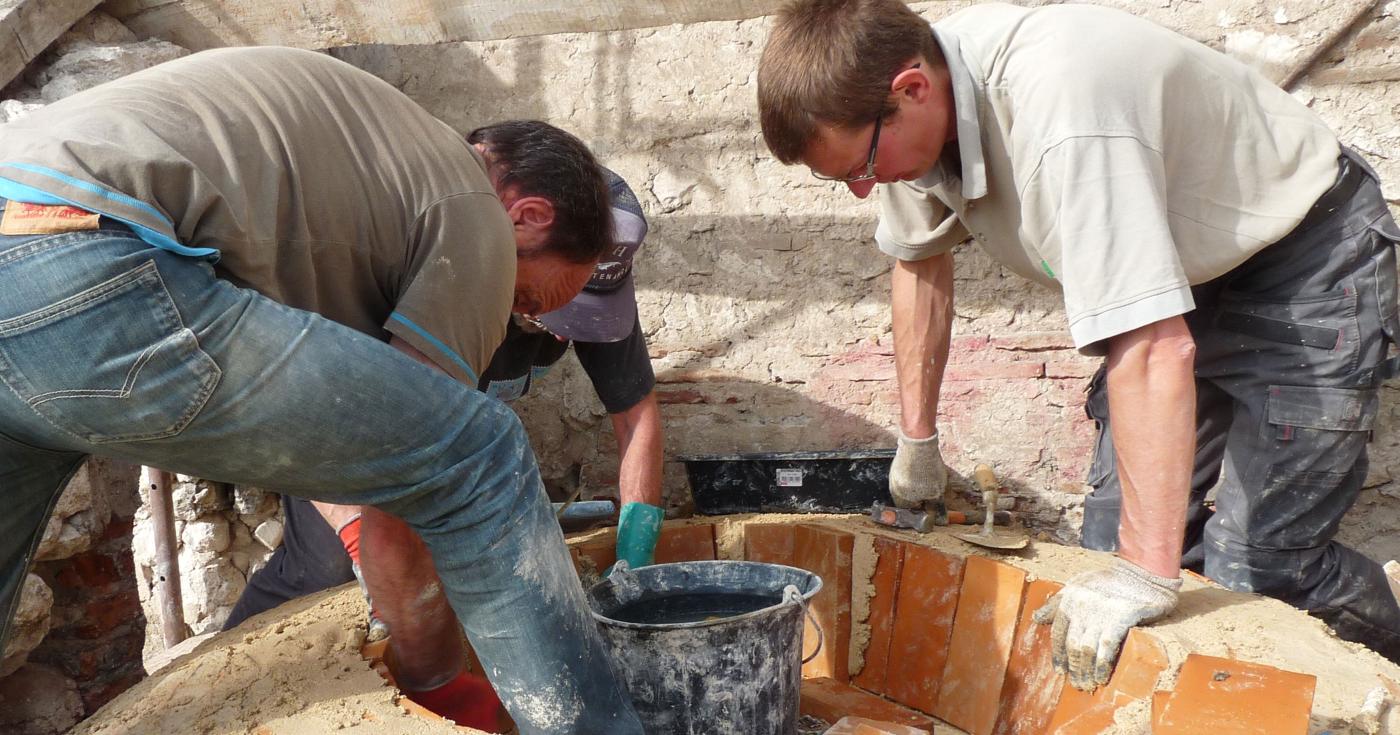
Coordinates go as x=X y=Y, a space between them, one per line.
x=791 y=594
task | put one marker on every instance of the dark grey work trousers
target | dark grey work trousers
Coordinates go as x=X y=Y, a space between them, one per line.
x=1291 y=348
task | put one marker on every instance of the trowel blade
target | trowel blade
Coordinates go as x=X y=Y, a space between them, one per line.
x=995 y=540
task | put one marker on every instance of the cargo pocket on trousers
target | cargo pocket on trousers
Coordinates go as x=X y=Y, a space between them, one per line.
x=1318 y=437
x=113 y=363
x=1388 y=234
x=1320 y=429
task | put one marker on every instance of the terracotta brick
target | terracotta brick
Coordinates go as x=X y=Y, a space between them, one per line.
x=1219 y=695
x=1032 y=686
x=374 y=651
x=984 y=630
x=1159 y=702
x=596 y=553
x=89 y=570
x=1094 y=720
x=686 y=543
x=768 y=542
x=1143 y=659
x=867 y=726
x=831 y=700
x=923 y=624
x=827 y=553
x=1135 y=674
x=884 y=580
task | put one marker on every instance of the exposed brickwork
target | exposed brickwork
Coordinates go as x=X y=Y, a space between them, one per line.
x=98 y=625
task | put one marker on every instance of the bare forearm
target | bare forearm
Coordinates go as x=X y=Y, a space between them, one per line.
x=921 y=297
x=639 y=448
x=1152 y=399
x=336 y=515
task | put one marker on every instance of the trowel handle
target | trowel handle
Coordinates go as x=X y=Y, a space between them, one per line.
x=987 y=482
x=986 y=478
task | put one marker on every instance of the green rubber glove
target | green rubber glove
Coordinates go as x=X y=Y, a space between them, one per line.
x=638 y=527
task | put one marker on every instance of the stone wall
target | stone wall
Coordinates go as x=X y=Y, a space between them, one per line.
x=224 y=533
x=80 y=626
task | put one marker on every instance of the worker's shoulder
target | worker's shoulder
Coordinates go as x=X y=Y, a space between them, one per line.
x=263 y=54
x=256 y=63
x=1067 y=34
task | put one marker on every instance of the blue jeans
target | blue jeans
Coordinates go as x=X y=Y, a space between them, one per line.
x=109 y=346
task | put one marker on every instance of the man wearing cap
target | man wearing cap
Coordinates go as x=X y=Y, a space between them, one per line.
x=603 y=326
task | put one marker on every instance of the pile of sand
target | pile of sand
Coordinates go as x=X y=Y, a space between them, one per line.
x=294 y=670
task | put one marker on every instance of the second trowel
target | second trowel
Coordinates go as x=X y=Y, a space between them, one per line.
x=988 y=536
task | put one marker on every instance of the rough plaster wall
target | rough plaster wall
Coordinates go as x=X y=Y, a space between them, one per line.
x=763 y=299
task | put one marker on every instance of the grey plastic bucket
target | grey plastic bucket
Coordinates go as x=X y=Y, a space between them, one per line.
x=738 y=670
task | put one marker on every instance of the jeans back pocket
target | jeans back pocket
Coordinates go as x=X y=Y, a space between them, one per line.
x=113 y=363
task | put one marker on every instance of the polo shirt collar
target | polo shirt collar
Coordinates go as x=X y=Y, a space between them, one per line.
x=974 y=168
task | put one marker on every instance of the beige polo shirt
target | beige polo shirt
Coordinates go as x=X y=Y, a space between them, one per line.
x=1111 y=158
x=313 y=182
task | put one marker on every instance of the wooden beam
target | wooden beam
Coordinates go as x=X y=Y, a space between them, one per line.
x=317 y=24
x=27 y=27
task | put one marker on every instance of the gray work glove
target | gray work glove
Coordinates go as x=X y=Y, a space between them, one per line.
x=1092 y=614
x=917 y=474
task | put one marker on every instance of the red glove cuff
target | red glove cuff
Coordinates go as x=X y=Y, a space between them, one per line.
x=468 y=700
x=350 y=538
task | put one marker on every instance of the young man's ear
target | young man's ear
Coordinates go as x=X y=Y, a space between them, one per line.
x=913 y=83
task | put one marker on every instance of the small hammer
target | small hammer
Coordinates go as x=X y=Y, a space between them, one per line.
x=924 y=521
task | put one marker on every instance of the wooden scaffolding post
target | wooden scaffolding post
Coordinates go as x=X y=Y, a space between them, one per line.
x=167 y=586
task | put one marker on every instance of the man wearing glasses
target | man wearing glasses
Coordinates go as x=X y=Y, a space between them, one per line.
x=1211 y=238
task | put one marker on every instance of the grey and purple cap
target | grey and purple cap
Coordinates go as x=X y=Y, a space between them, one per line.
x=606 y=309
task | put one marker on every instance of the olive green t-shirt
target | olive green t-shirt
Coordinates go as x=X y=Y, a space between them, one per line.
x=313 y=182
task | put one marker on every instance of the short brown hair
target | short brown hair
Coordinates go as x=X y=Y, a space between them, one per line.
x=831 y=61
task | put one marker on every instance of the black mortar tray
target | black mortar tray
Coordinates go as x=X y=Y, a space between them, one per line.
x=842 y=481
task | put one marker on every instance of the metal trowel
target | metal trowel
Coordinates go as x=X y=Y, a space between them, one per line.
x=988 y=536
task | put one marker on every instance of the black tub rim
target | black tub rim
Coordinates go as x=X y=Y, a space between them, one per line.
x=615 y=623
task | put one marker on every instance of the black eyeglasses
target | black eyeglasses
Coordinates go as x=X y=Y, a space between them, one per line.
x=869 y=161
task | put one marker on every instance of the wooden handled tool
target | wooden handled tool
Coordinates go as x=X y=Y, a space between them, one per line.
x=988 y=536
x=924 y=521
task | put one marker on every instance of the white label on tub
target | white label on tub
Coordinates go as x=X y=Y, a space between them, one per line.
x=789 y=478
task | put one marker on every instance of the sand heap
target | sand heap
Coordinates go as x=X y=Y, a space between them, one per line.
x=294 y=670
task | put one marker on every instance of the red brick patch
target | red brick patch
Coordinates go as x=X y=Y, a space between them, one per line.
x=959 y=371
